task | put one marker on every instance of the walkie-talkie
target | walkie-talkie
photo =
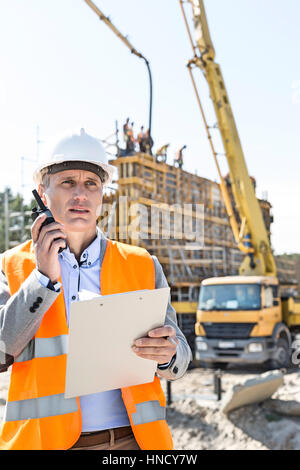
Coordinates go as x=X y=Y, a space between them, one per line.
x=35 y=212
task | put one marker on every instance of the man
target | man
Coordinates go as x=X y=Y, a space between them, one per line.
x=125 y=130
x=38 y=284
x=128 y=136
x=179 y=157
x=141 y=140
x=162 y=152
x=148 y=142
x=130 y=149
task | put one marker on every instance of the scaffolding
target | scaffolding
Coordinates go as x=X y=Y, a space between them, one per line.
x=178 y=217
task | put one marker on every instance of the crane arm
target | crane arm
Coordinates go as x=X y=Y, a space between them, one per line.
x=113 y=28
x=253 y=231
x=125 y=41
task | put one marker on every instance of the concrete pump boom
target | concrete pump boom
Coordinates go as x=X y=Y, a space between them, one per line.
x=251 y=236
x=132 y=49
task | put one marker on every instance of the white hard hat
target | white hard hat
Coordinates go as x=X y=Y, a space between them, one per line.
x=78 y=152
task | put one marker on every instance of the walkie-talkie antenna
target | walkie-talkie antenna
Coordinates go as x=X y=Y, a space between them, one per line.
x=39 y=201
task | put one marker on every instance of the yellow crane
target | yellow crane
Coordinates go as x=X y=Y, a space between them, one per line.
x=239 y=318
x=251 y=237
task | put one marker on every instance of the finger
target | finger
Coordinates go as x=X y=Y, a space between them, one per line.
x=163 y=331
x=49 y=228
x=170 y=351
x=56 y=245
x=148 y=342
x=172 y=340
x=50 y=236
x=39 y=231
x=158 y=359
x=36 y=226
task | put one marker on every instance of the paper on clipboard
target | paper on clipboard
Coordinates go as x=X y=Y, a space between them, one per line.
x=102 y=331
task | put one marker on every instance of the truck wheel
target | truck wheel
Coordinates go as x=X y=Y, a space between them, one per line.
x=282 y=357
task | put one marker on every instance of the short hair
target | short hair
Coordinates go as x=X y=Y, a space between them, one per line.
x=45 y=178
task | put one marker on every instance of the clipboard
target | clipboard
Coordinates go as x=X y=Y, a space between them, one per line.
x=102 y=331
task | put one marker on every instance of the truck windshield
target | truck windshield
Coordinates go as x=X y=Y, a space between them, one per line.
x=230 y=297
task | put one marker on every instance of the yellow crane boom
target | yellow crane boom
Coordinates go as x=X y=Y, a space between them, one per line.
x=251 y=236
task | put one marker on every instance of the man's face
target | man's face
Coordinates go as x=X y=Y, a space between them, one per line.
x=74 y=197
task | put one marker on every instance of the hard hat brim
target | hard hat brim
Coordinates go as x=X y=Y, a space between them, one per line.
x=109 y=169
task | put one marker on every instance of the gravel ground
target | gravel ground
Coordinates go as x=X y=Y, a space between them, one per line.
x=197 y=422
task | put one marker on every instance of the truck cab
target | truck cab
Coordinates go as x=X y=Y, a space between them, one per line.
x=239 y=320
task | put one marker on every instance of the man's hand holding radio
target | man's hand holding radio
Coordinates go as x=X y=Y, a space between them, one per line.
x=46 y=243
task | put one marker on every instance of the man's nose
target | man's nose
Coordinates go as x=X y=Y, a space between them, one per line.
x=80 y=191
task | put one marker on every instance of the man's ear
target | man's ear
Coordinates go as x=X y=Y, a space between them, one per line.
x=41 y=190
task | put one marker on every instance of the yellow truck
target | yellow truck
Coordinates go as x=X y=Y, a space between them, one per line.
x=245 y=318
x=242 y=319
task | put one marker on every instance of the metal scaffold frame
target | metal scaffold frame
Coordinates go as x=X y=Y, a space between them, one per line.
x=163 y=188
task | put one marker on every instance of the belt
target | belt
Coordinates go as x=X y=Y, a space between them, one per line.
x=87 y=439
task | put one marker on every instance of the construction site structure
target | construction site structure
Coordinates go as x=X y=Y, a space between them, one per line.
x=196 y=227
x=181 y=218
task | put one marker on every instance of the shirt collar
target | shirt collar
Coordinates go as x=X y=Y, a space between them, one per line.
x=90 y=255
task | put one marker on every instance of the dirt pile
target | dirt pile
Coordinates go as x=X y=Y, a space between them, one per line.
x=198 y=423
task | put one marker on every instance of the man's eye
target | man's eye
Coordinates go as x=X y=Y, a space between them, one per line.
x=71 y=181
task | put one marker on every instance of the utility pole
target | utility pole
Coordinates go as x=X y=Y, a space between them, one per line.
x=22 y=204
x=6 y=215
x=19 y=216
x=23 y=159
x=117 y=138
x=38 y=142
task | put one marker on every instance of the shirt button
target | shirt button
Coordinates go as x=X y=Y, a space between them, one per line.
x=73 y=297
x=84 y=255
x=75 y=266
x=89 y=263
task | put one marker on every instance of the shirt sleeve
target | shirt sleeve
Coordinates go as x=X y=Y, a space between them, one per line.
x=19 y=321
x=45 y=281
x=178 y=365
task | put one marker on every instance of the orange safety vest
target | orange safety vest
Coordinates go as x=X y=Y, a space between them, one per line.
x=37 y=416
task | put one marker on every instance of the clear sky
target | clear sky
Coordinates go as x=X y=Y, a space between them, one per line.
x=63 y=69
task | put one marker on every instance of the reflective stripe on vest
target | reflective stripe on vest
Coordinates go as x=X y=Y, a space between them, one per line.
x=148 y=412
x=40 y=407
x=44 y=347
